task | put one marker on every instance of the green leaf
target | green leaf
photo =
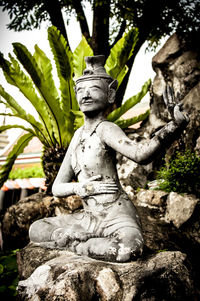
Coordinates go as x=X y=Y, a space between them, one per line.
x=124 y=123
x=14 y=153
x=120 y=54
x=17 y=77
x=45 y=66
x=64 y=63
x=52 y=103
x=129 y=103
x=12 y=126
x=19 y=112
x=1 y=269
x=78 y=120
x=82 y=50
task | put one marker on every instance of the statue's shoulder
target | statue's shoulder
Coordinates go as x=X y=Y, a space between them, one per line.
x=107 y=125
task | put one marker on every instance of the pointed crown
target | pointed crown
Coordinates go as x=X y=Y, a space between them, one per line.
x=95 y=69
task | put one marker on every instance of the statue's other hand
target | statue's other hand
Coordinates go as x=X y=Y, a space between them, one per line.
x=94 y=186
x=174 y=106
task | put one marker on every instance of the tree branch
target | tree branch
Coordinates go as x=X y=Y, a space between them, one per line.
x=100 y=35
x=81 y=18
x=54 y=10
x=120 y=33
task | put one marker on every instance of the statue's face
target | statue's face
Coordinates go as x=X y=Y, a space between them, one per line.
x=92 y=95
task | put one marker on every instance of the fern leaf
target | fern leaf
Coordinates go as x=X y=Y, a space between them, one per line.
x=120 y=54
x=82 y=50
x=64 y=63
x=12 y=126
x=129 y=103
x=45 y=66
x=17 y=149
x=124 y=123
x=19 y=112
x=25 y=85
x=53 y=105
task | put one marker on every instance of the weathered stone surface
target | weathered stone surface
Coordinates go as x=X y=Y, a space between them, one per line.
x=19 y=217
x=168 y=218
x=179 y=208
x=177 y=62
x=171 y=222
x=162 y=276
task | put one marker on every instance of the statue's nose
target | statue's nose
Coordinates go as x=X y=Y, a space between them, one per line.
x=86 y=93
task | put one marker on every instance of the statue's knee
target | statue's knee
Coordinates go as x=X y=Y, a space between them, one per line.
x=130 y=244
x=33 y=231
x=40 y=231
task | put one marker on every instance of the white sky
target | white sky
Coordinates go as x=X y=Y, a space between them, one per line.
x=141 y=71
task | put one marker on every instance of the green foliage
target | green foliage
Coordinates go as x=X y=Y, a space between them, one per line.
x=58 y=111
x=28 y=172
x=181 y=174
x=8 y=275
x=128 y=104
x=14 y=153
x=119 y=55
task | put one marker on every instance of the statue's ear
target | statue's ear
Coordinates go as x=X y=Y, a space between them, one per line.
x=112 y=91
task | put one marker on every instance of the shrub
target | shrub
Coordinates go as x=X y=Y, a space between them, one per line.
x=28 y=172
x=181 y=174
x=8 y=275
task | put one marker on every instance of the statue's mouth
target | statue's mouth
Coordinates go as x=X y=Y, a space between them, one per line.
x=87 y=101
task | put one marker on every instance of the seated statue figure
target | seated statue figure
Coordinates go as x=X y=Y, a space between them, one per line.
x=108 y=226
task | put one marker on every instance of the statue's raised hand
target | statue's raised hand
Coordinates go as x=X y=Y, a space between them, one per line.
x=95 y=185
x=174 y=106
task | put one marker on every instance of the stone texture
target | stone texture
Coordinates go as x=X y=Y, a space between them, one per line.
x=18 y=218
x=179 y=208
x=171 y=222
x=176 y=62
x=162 y=276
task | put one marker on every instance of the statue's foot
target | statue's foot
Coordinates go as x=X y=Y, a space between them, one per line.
x=66 y=238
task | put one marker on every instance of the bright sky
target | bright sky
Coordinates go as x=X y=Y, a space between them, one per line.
x=141 y=72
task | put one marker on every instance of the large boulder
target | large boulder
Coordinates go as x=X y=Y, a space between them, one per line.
x=170 y=221
x=177 y=63
x=62 y=275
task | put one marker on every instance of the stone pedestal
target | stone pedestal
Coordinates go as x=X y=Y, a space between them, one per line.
x=52 y=275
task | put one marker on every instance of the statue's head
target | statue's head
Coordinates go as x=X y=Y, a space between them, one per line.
x=95 y=89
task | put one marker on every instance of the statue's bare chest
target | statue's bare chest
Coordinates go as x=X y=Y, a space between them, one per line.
x=91 y=156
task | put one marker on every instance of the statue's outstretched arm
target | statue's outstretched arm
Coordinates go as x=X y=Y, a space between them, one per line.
x=144 y=153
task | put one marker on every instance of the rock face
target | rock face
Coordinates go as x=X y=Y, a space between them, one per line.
x=19 y=217
x=177 y=63
x=66 y=276
x=171 y=222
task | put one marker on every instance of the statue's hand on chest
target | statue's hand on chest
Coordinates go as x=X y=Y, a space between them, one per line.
x=95 y=186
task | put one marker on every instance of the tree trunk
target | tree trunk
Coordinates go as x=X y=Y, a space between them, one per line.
x=54 y=10
x=100 y=35
x=81 y=18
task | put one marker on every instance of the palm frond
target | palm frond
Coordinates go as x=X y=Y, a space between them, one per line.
x=64 y=64
x=124 y=123
x=18 y=111
x=129 y=103
x=120 y=54
x=53 y=104
x=17 y=149
x=81 y=51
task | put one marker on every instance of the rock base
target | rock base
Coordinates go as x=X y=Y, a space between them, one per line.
x=60 y=275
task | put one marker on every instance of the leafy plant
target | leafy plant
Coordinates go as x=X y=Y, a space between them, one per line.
x=8 y=275
x=58 y=111
x=181 y=174
x=28 y=172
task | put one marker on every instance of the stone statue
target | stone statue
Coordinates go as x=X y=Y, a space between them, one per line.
x=108 y=227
